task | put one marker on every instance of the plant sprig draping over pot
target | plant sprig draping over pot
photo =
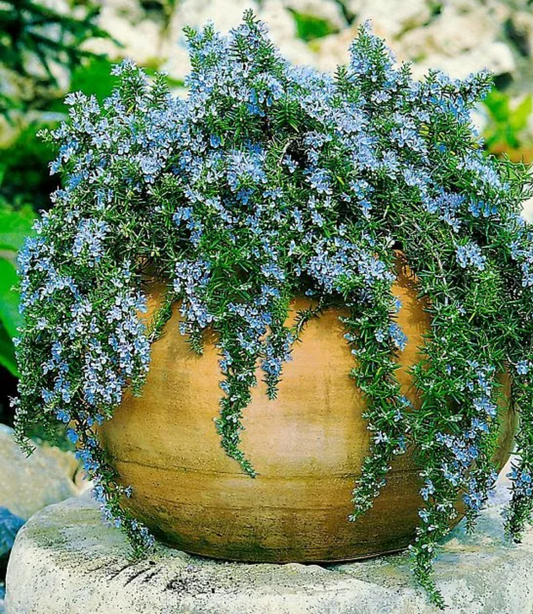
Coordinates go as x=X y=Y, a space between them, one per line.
x=269 y=181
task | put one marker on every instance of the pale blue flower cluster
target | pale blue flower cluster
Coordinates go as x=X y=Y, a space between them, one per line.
x=463 y=449
x=470 y=255
x=522 y=480
x=89 y=240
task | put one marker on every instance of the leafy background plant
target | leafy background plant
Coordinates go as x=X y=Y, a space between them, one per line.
x=507 y=122
x=310 y=27
x=15 y=225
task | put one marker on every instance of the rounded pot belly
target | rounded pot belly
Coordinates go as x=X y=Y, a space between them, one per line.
x=307 y=447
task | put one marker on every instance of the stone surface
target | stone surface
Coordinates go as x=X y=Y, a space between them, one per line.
x=225 y=15
x=496 y=57
x=457 y=36
x=283 y=31
x=29 y=484
x=527 y=211
x=139 y=38
x=460 y=37
x=65 y=561
x=391 y=17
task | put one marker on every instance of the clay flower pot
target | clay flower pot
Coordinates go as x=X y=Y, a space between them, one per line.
x=307 y=447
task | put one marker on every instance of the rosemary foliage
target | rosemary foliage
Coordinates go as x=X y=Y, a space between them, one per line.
x=267 y=182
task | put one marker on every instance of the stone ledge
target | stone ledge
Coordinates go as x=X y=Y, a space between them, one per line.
x=66 y=561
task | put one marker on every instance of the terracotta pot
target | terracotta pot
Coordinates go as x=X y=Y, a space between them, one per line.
x=307 y=446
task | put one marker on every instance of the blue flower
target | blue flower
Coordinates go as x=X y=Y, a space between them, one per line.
x=319 y=179
x=72 y=435
x=522 y=367
x=470 y=255
x=398 y=336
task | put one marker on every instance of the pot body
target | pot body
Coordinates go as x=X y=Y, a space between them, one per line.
x=307 y=446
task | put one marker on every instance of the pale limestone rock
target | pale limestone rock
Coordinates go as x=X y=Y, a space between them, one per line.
x=527 y=210
x=496 y=57
x=480 y=117
x=417 y=44
x=177 y=66
x=523 y=24
x=454 y=32
x=280 y=23
x=463 y=6
x=464 y=36
x=140 y=41
x=29 y=484
x=333 y=50
x=196 y=13
x=391 y=17
x=128 y=9
x=65 y=561
x=282 y=29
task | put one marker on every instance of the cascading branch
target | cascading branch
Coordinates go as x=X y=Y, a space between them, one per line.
x=266 y=182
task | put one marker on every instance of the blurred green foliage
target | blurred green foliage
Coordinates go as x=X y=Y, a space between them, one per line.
x=34 y=37
x=24 y=174
x=309 y=27
x=93 y=77
x=15 y=225
x=506 y=121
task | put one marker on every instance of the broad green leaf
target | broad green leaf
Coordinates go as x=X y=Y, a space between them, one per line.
x=520 y=115
x=15 y=226
x=309 y=27
x=7 y=352
x=9 y=298
x=498 y=105
x=92 y=78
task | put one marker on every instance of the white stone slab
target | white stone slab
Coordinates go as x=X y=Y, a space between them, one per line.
x=65 y=561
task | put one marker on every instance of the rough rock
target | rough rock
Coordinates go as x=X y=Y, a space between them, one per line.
x=197 y=13
x=454 y=32
x=457 y=36
x=282 y=28
x=29 y=484
x=496 y=57
x=527 y=210
x=225 y=15
x=522 y=23
x=458 y=41
x=65 y=561
x=139 y=38
x=391 y=17
x=333 y=50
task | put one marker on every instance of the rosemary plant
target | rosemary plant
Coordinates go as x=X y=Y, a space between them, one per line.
x=266 y=182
